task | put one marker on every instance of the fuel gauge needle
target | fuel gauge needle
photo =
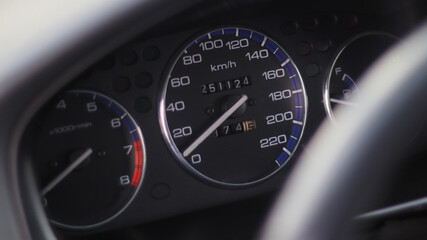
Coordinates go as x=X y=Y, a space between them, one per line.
x=215 y=125
x=66 y=171
x=343 y=102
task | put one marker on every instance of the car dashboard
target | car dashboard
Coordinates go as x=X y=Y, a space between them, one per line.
x=190 y=129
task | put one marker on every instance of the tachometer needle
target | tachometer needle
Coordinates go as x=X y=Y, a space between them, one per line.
x=215 y=125
x=348 y=103
x=67 y=171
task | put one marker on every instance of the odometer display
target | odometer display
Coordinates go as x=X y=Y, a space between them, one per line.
x=233 y=107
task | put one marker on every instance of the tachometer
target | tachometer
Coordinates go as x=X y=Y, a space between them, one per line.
x=91 y=159
x=233 y=107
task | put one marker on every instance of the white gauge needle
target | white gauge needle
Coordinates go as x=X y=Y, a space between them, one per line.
x=66 y=171
x=214 y=126
x=348 y=103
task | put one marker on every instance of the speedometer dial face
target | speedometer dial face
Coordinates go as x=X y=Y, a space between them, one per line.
x=233 y=107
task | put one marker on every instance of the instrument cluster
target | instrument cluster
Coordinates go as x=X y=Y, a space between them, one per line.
x=196 y=118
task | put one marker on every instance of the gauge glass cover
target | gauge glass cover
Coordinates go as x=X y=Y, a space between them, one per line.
x=212 y=73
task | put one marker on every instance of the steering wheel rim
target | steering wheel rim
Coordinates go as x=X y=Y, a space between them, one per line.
x=324 y=190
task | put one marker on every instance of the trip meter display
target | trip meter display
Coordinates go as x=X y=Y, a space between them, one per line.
x=233 y=107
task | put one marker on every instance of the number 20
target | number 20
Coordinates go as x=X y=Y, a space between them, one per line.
x=182 y=132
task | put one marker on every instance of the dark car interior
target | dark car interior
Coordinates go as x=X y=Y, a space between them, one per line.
x=215 y=120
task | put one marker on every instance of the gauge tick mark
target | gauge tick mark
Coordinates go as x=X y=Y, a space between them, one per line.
x=287 y=151
x=263 y=41
x=297 y=122
x=285 y=62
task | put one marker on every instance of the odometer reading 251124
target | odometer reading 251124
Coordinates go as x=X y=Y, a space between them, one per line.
x=233 y=107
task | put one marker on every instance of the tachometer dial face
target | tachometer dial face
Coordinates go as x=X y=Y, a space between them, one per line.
x=352 y=60
x=91 y=159
x=233 y=107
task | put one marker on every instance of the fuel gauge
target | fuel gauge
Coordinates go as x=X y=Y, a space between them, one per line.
x=351 y=61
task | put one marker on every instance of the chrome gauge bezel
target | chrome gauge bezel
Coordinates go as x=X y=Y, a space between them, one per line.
x=164 y=122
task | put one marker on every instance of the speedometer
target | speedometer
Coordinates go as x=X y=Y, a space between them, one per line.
x=233 y=107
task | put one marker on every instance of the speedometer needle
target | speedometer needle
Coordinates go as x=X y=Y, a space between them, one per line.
x=215 y=125
x=66 y=171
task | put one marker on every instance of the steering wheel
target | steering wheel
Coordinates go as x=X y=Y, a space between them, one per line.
x=39 y=56
x=325 y=189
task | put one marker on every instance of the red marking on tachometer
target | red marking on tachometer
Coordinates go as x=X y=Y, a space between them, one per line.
x=137 y=171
